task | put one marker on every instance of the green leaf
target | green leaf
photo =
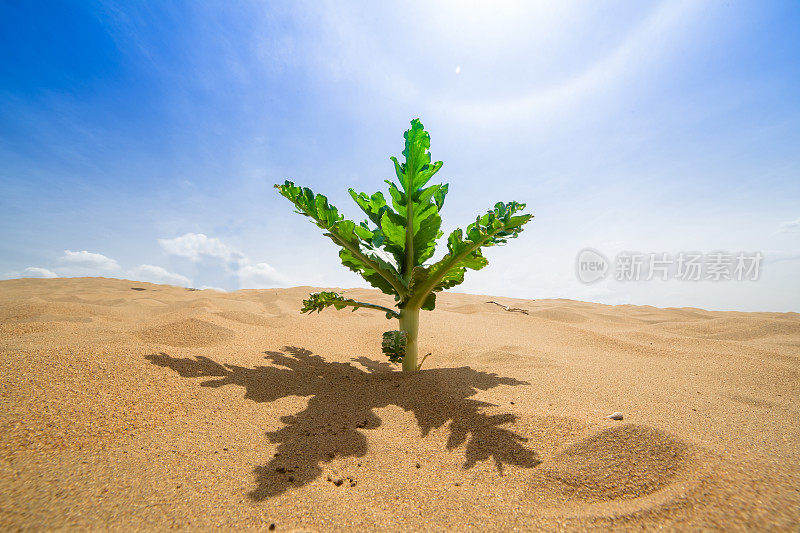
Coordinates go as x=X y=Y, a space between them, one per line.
x=373 y=206
x=399 y=199
x=414 y=226
x=318 y=301
x=417 y=169
x=464 y=251
x=394 y=345
x=430 y=302
x=364 y=233
x=357 y=244
x=393 y=226
x=439 y=195
x=425 y=238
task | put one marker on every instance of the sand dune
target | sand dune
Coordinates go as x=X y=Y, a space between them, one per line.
x=129 y=405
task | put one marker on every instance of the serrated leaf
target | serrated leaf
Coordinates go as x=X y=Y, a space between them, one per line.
x=318 y=301
x=364 y=233
x=373 y=206
x=413 y=232
x=393 y=226
x=440 y=194
x=425 y=238
x=355 y=254
x=399 y=199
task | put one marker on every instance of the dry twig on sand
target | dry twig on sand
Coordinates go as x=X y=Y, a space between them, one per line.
x=507 y=308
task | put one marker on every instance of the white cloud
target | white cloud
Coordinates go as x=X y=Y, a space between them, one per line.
x=261 y=276
x=195 y=246
x=792 y=226
x=37 y=272
x=157 y=274
x=198 y=246
x=87 y=263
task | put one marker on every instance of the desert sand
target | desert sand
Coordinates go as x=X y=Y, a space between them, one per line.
x=133 y=406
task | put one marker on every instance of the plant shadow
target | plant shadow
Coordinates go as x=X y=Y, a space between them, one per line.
x=343 y=397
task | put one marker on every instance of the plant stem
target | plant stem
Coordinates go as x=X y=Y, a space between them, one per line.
x=409 y=251
x=409 y=322
x=356 y=303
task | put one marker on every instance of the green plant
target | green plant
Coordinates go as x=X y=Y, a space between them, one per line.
x=390 y=249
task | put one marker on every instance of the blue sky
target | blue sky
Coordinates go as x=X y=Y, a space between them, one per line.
x=141 y=141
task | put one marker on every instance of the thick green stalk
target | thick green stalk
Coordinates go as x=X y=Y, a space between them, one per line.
x=409 y=322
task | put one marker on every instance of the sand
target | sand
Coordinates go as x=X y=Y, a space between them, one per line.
x=128 y=405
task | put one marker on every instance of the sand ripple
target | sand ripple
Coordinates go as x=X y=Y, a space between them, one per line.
x=187 y=332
